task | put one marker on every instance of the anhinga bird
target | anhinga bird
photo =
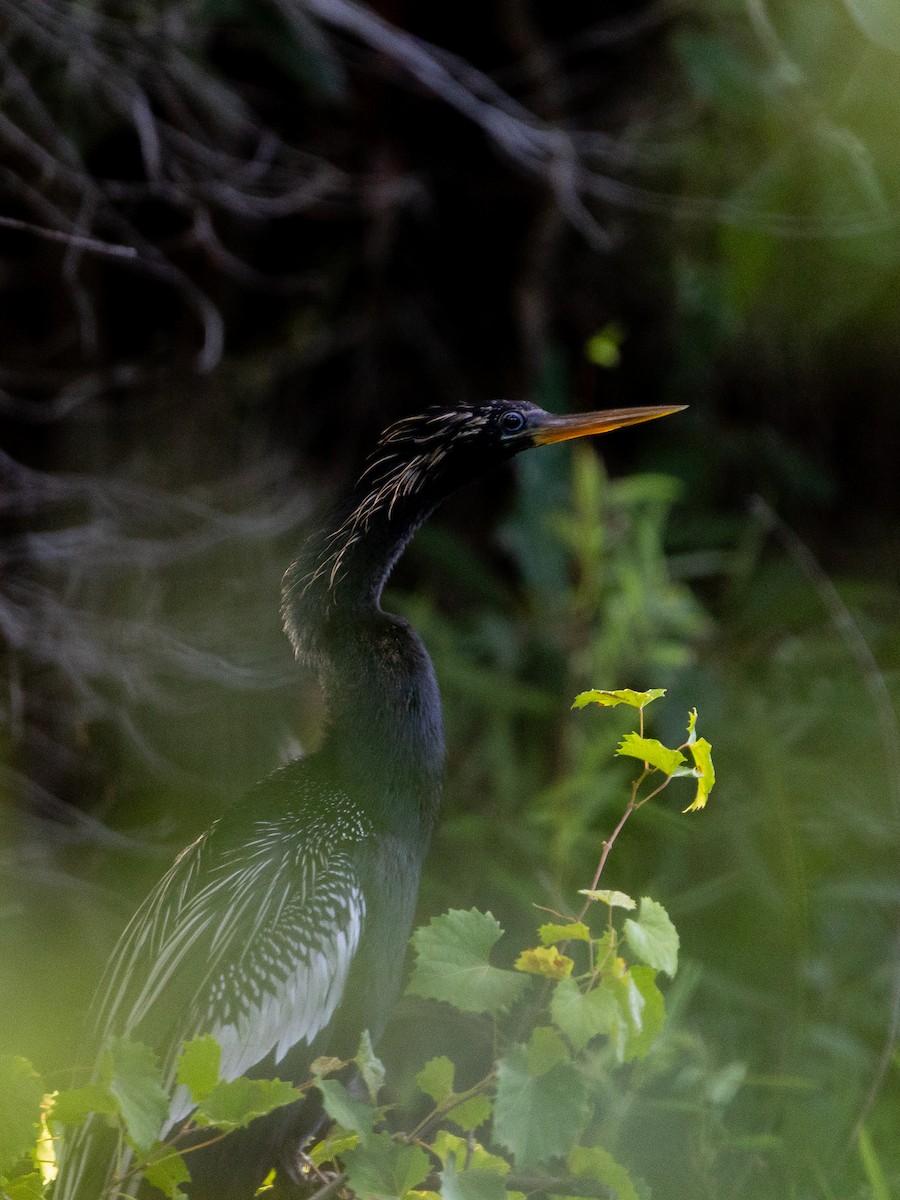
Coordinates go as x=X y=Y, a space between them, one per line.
x=282 y=930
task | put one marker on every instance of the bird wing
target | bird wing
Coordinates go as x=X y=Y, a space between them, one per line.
x=250 y=941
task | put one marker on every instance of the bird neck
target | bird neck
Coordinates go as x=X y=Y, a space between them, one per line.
x=384 y=733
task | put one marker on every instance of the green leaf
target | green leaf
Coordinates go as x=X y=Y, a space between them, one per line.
x=583 y=1015
x=701 y=751
x=594 y=1163
x=649 y=750
x=198 y=1066
x=436 y=1078
x=168 y=1173
x=538 y=1118
x=609 y=896
x=383 y=1168
x=24 y=1187
x=623 y=696
x=639 y=1039
x=350 y=1113
x=73 y=1106
x=472 y=1184
x=132 y=1074
x=370 y=1066
x=546 y=1050
x=574 y=931
x=452 y=964
x=21 y=1092
x=653 y=938
x=235 y=1104
x=471 y=1113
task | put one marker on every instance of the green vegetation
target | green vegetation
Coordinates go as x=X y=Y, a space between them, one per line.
x=564 y=1023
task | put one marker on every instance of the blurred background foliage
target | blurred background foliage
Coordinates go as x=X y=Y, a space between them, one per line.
x=237 y=238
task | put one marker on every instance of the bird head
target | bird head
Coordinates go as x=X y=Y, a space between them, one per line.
x=417 y=462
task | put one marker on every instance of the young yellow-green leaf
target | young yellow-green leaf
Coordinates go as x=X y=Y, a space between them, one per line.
x=546 y=1050
x=474 y=1183
x=198 y=1066
x=168 y=1172
x=370 y=1066
x=637 y=1042
x=574 y=931
x=133 y=1075
x=447 y=1145
x=471 y=1113
x=436 y=1078
x=649 y=750
x=326 y=1064
x=333 y=1146
x=538 y=1118
x=592 y=1162
x=384 y=1168
x=349 y=1112
x=21 y=1091
x=72 y=1106
x=653 y=938
x=234 y=1105
x=610 y=699
x=545 y=960
x=609 y=896
x=452 y=963
x=691 y=726
x=706 y=775
x=583 y=1015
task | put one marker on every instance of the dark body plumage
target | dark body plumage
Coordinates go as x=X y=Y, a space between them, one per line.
x=282 y=929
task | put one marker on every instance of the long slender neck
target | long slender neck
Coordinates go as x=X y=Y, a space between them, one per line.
x=385 y=728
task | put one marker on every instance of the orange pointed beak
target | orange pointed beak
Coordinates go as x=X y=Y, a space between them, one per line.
x=550 y=428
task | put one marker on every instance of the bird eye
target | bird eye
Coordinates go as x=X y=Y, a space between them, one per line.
x=512 y=421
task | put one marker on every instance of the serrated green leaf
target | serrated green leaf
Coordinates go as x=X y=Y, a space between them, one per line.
x=594 y=1163
x=639 y=1039
x=133 y=1075
x=609 y=699
x=198 y=1066
x=701 y=751
x=649 y=750
x=370 y=1066
x=73 y=1106
x=573 y=931
x=609 y=896
x=436 y=1078
x=583 y=1015
x=474 y=1183
x=538 y=1118
x=334 y=1145
x=168 y=1172
x=349 y=1112
x=21 y=1091
x=546 y=1049
x=452 y=954
x=381 y=1167
x=653 y=938
x=235 y=1104
x=471 y=1113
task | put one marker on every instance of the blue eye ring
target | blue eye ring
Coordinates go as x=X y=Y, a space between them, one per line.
x=512 y=421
